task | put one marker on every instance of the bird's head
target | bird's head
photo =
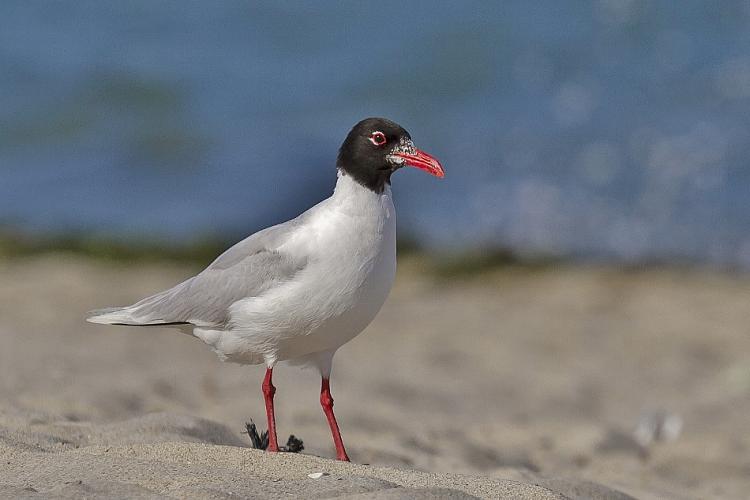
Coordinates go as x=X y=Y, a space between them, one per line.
x=377 y=147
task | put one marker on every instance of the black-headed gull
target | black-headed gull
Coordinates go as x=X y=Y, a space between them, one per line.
x=299 y=290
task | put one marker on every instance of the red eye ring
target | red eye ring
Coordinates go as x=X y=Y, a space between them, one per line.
x=378 y=138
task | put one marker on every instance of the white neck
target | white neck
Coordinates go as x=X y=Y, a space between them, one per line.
x=351 y=196
x=347 y=186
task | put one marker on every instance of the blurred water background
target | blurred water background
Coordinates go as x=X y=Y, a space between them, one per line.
x=613 y=129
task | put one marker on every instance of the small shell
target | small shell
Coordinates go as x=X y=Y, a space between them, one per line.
x=317 y=475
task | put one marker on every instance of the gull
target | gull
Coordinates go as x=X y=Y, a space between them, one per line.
x=298 y=291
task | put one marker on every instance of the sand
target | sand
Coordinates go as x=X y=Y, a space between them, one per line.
x=515 y=384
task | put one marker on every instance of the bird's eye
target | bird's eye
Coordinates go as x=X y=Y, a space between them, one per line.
x=378 y=138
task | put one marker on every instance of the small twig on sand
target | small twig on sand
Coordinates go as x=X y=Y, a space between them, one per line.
x=259 y=442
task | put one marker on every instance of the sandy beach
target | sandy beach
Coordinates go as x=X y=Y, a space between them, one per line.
x=556 y=382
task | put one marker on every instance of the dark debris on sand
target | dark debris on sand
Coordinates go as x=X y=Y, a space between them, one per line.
x=260 y=441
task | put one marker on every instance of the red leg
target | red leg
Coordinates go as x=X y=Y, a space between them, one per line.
x=326 y=401
x=268 y=391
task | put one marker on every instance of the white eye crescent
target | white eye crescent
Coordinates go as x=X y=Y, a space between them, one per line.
x=378 y=138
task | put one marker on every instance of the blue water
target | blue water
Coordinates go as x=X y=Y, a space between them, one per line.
x=616 y=129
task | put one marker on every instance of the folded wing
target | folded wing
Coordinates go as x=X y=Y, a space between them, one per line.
x=248 y=269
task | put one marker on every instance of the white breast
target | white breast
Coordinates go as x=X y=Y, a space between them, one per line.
x=350 y=241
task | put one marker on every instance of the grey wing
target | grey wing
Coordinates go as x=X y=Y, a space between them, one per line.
x=265 y=240
x=205 y=299
x=248 y=269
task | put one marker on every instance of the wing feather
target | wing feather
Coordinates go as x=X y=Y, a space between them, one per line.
x=248 y=269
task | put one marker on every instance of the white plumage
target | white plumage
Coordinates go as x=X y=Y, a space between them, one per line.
x=300 y=290
x=297 y=291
